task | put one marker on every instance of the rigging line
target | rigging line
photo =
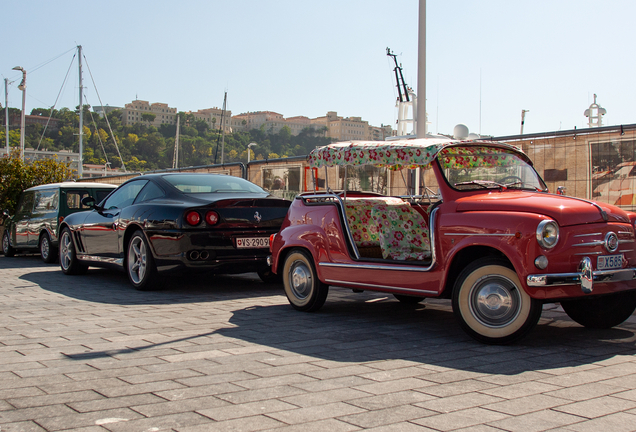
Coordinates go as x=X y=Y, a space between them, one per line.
x=56 y=99
x=99 y=138
x=105 y=115
x=49 y=61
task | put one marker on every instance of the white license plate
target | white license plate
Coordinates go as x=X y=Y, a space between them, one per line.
x=609 y=262
x=252 y=242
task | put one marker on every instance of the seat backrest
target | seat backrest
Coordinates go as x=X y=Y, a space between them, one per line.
x=358 y=210
x=402 y=231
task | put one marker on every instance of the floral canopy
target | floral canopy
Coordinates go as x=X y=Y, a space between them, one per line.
x=412 y=153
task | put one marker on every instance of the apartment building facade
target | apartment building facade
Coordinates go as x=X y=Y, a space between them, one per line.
x=133 y=112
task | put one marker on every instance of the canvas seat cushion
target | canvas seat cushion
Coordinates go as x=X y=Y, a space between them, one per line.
x=363 y=229
x=402 y=232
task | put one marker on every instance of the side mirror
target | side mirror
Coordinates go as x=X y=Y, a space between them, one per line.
x=89 y=201
x=561 y=190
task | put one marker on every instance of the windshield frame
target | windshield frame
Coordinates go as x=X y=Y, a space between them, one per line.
x=518 y=174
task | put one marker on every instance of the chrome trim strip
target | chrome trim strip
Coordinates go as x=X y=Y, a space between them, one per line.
x=375 y=267
x=479 y=234
x=336 y=282
x=594 y=243
x=557 y=279
x=626 y=250
x=590 y=234
x=92 y=258
x=588 y=253
x=626 y=241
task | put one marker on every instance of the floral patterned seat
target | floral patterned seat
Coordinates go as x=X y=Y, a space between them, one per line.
x=365 y=232
x=403 y=233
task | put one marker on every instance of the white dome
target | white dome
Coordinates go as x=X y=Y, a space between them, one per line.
x=460 y=131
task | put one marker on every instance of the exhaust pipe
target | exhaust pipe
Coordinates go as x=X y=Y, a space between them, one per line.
x=194 y=255
x=204 y=255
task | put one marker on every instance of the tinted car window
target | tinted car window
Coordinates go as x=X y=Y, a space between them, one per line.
x=125 y=195
x=74 y=199
x=149 y=192
x=46 y=201
x=192 y=183
x=26 y=203
x=100 y=194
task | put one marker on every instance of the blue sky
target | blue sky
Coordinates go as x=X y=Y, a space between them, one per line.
x=486 y=60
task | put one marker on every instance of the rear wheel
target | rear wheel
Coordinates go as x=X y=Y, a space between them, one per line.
x=68 y=258
x=7 y=249
x=140 y=266
x=47 y=252
x=490 y=303
x=601 y=312
x=304 y=290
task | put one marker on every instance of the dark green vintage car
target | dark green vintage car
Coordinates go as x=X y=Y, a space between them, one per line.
x=34 y=226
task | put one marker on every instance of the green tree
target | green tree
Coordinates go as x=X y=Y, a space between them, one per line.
x=16 y=176
x=148 y=117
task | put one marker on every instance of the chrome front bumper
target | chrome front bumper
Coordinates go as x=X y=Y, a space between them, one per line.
x=585 y=277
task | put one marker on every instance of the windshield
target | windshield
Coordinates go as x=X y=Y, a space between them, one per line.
x=481 y=167
x=210 y=183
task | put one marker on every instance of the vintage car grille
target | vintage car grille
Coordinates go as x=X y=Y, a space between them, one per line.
x=614 y=239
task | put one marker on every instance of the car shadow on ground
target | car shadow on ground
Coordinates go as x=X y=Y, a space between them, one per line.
x=379 y=328
x=351 y=327
x=111 y=286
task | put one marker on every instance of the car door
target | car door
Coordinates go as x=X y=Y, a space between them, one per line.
x=44 y=215
x=21 y=220
x=102 y=228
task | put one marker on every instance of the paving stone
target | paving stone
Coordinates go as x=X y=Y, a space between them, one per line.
x=94 y=355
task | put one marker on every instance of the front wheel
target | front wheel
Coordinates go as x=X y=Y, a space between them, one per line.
x=601 y=312
x=7 y=249
x=140 y=265
x=68 y=257
x=491 y=305
x=47 y=252
x=303 y=289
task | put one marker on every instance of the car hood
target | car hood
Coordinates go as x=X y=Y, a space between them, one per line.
x=563 y=209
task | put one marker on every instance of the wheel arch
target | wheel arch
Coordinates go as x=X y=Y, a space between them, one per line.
x=462 y=259
x=130 y=230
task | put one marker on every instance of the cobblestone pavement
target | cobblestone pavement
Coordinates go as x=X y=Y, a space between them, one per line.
x=212 y=353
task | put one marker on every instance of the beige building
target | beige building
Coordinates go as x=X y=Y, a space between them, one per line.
x=132 y=113
x=345 y=128
x=213 y=117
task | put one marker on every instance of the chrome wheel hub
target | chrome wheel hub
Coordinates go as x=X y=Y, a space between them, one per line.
x=137 y=260
x=495 y=301
x=45 y=248
x=66 y=251
x=300 y=280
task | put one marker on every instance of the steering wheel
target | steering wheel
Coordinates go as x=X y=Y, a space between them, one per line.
x=510 y=179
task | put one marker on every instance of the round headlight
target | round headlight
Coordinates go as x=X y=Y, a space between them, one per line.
x=548 y=234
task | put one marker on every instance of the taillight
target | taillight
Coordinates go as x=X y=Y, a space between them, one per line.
x=211 y=217
x=193 y=218
x=271 y=242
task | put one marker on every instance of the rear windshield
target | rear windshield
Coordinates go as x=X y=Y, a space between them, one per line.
x=192 y=183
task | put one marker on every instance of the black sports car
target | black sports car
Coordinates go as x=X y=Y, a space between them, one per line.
x=160 y=222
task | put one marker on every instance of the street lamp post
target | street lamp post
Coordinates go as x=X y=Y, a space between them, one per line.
x=249 y=152
x=22 y=87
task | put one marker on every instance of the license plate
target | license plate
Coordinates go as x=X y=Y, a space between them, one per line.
x=609 y=262
x=252 y=242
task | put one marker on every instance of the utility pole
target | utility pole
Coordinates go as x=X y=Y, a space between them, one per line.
x=80 y=167
x=175 y=157
x=420 y=124
x=6 y=113
x=523 y=118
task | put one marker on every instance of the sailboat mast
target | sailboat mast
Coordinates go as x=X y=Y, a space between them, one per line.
x=80 y=167
x=223 y=127
x=175 y=158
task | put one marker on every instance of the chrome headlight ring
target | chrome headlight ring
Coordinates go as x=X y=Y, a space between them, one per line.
x=548 y=233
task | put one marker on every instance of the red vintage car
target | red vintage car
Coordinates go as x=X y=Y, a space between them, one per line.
x=478 y=226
